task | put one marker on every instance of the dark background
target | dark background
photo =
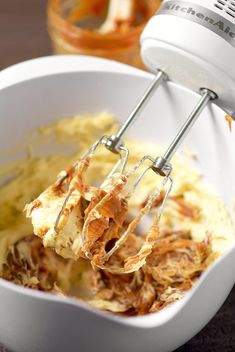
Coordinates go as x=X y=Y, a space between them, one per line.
x=23 y=36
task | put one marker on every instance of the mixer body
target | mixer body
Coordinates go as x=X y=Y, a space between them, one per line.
x=194 y=43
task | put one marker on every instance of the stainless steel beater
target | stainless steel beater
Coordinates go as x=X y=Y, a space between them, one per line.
x=194 y=43
x=160 y=165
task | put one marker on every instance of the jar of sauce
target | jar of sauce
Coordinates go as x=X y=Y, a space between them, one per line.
x=87 y=27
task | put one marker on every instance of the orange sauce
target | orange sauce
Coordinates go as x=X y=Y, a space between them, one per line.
x=75 y=30
x=229 y=120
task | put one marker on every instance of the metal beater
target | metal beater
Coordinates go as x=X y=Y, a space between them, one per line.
x=160 y=165
x=195 y=44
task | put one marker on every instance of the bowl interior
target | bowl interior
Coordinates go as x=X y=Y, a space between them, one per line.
x=35 y=102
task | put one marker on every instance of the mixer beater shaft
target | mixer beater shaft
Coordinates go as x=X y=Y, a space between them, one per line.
x=162 y=164
x=114 y=142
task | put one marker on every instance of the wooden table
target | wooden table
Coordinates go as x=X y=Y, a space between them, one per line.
x=23 y=36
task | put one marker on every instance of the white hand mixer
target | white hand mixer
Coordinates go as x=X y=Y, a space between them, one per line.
x=193 y=44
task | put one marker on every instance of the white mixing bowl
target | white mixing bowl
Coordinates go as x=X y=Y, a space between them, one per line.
x=37 y=92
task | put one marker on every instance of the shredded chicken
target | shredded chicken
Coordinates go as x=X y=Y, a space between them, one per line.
x=171 y=269
x=158 y=265
x=31 y=265
x=82 y=221
x=158 y=269
x=97 y=214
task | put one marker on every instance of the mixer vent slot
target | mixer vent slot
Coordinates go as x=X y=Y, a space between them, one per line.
x=218 y=7
x=226 y=5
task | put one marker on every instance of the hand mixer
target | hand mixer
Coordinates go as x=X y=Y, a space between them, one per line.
x=193 y=44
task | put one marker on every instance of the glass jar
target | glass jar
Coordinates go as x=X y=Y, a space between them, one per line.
x=73 y=25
